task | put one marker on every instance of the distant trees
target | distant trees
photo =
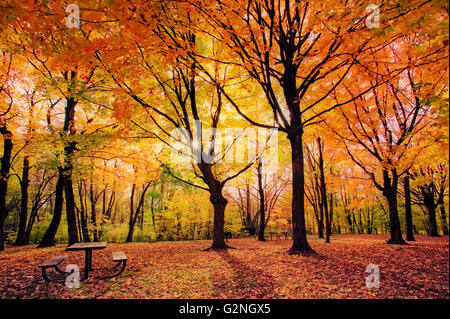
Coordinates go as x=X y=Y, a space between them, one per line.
x=430 y=188
x=7 y=103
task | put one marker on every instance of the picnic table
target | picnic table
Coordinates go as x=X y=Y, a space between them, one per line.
x=88 y=247
x=118 y=257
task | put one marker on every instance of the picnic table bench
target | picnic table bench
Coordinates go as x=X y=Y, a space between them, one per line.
x=52 y=263
x=121 y=259
x=118 y=257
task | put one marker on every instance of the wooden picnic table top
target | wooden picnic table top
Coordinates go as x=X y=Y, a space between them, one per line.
x=87 y=246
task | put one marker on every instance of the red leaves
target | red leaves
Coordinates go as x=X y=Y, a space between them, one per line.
x=253 y=270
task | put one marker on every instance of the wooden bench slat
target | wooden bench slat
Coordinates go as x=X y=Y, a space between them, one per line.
x=54 y=261
x=119 y=256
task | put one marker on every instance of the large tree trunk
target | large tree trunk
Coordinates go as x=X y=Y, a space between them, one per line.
x=219 y=203
x=49 y=237
x=70 y=198
x=394 y=222
x=23 y=216
x=300 y=243
x=69 y=150
x=4 y=176
x=390 y=192
x=432 y=224
x=408 y=211
x=262 y=208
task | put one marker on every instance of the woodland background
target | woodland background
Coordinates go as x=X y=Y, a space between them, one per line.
x=85 y=115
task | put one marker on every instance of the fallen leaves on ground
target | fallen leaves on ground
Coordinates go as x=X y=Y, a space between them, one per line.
x=252 y=270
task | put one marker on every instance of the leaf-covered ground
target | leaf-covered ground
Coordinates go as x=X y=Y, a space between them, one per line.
x=253 y=270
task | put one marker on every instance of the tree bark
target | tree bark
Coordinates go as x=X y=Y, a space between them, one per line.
x=408 y=211
x=219 y=203
x=70 y=198
x=49 y=237
x=432 y=223
x=444 y=220
x=390 y=193
x=23 y=216
x=300 y=243
x=323 y=192
x=131 y=220
x=4 y=176
x=262 y=208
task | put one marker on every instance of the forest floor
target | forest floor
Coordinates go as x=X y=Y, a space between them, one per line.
x=252 y=270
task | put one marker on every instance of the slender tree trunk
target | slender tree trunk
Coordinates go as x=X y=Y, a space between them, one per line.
x=444 y=220
x=300 y=243
x=49 y=237
x=408 y=211
x=262 y=208
x=23 y=216
x=323 y=192
x=4 y=176
x=329 y=220
x=250 y=224
x=131 y=220
x=83 y=214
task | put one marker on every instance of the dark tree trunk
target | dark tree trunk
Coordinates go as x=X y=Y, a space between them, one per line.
x=70 y=198
x=4 y=176
x=134 y=214
x=23 y=216
x=320 y=227
x=323 y=192
x=93 y=210
x=131 y=220
x=49 y=237
x=329 y=220
x=408 y=211
x=69 y=150
x=83 y=214
x=444 y=220
x=219 y=203
x=300 y=243
x=390 y=192
x=248 y=218
x=262 y=208
x=432 y=224
x=394 y=222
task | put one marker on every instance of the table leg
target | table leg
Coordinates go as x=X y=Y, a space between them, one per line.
x=86 y=264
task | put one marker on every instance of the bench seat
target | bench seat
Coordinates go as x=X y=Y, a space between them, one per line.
x=52 y=262
x=119 y=256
